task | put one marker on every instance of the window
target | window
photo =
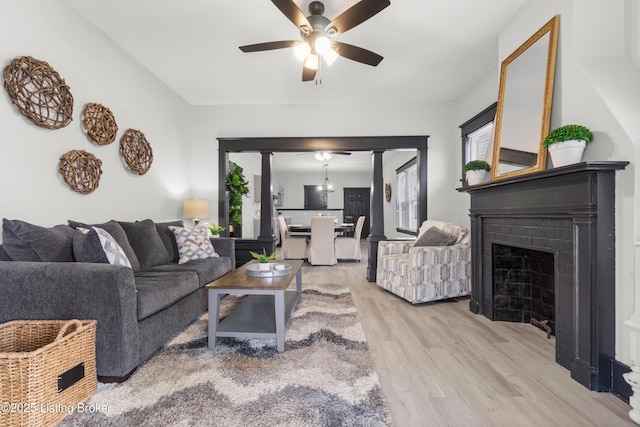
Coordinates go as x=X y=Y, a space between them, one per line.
x=407 y=197
x=478 y=142
x=477 y=135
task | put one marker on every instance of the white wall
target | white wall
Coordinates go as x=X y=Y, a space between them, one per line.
x=96 y=71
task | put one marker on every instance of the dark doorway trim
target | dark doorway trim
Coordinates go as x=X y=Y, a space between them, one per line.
x=376 y=144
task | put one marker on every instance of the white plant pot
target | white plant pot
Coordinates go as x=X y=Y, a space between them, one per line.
x=476 y=177
x=566 y=152
x=264 y=266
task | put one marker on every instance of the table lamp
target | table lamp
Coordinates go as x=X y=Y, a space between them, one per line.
x=195 y=209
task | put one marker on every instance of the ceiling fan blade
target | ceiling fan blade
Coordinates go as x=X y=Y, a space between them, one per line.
x=356 y=53
x=292 y=12
x=308 y=74
x=357 y=14
x=341 y=153
x=268 y=46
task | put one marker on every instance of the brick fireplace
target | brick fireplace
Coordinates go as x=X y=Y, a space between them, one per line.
x=563 y=221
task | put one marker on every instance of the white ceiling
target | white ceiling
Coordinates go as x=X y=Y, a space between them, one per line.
x=433 y=50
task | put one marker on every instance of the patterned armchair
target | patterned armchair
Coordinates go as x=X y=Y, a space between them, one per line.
x=435 y=266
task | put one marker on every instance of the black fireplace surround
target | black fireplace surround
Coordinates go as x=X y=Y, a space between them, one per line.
x=569 y=212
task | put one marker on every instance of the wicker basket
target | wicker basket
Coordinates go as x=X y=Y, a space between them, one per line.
x=47 y=367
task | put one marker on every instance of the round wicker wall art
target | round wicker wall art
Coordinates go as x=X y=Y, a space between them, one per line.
x=81 y=170
x=99 y=123
x=136 y=151
x=39 y=92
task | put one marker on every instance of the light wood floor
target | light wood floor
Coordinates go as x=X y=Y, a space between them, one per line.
x=441 y=365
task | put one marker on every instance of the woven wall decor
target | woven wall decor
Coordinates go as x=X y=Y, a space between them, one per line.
x=39 y=92
x=81 y=170
x=99 y=123
x=136 y=151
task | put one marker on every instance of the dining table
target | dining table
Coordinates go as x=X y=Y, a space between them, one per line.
x=345 y=228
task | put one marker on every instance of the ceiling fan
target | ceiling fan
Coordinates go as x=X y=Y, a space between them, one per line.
x=316 y=31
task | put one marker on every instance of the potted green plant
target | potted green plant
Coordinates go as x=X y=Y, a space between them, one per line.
x=237 y=186
x=566 y=144
x=263 y=259
x=476 y=171
x=215 y=229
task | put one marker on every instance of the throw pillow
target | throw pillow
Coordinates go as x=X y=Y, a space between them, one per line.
x=146 y=243
x=433 y=236
x=28 y=242
x=169 y=239
x=193 y=243
x=96 y=245
x=117 y=232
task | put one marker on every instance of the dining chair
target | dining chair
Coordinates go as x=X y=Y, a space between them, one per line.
x=291 y=247
x=349 y=247
x=322 y=250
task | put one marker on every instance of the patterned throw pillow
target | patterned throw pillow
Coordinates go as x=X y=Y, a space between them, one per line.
x=96 y=245
x=193 y=243
x=117 y=232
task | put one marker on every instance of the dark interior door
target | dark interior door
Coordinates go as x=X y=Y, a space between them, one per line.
x=357 y=202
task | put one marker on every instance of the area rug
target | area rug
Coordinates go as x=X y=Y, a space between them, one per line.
x=325 y=376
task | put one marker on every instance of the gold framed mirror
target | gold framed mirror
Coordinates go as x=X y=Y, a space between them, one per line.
x=524 y=104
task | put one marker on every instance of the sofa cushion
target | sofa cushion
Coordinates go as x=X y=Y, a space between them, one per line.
x=28 y=242
x=169 y=239
x=208 y=269
x=146 y=243
x=117 y=232
x=96 y=245
x=193 y=243
x=158 y=290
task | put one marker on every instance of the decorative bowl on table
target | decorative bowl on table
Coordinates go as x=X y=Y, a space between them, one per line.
x=275 y=269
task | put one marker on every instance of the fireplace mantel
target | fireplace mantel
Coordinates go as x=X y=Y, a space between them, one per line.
x=568 y=211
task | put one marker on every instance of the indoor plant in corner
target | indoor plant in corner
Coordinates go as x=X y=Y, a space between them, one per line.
x=566 y=144
x=476 y=171
x=263 y=259
x=237 y=186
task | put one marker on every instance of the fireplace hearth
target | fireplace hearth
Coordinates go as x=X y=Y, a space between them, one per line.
x=563 y=221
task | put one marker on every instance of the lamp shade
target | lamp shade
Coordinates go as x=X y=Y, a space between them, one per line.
x=195 y=208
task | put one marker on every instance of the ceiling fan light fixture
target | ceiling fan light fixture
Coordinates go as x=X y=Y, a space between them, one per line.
x=322 y=45
x=330 y=57
x=301 y=51
x=312 y=62
x=322 y=156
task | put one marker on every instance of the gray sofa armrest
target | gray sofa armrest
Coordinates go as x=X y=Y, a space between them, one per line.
x=225 y=246
x=67 y=290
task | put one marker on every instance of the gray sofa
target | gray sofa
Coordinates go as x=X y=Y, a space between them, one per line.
x=138 y=308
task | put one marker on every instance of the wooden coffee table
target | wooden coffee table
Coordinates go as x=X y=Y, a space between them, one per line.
x=266 y=310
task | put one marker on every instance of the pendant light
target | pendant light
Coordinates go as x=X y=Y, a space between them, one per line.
x=326 y=185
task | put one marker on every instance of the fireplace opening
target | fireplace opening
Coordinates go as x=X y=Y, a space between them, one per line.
x=524 y=286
